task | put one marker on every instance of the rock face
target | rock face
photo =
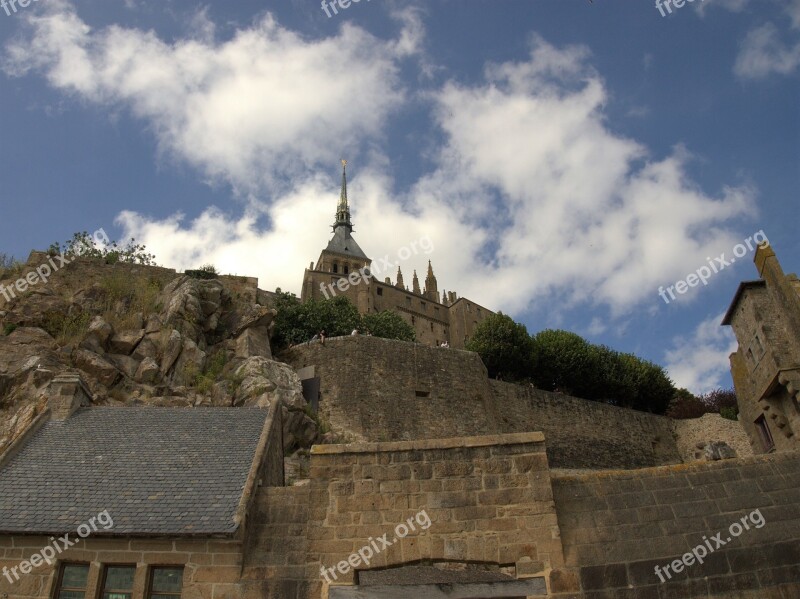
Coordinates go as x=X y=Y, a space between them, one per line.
x=190 y=342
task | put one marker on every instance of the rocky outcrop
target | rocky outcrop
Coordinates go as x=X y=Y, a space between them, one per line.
x=193 y=342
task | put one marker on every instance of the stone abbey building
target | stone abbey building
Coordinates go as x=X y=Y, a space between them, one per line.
x=344 y=269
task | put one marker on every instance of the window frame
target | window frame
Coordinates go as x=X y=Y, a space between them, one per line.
x=60 y=579
x=104 y=574
x=767 y=441
x=151 y=577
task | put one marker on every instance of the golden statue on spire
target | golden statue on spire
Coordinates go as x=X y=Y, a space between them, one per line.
x=344 y=162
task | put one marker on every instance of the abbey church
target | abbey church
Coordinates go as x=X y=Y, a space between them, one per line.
x=436 y=317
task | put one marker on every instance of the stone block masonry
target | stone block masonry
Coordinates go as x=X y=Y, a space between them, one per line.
x=489 y=501
x=617 y=526
x=211 y=566
x=382 y=390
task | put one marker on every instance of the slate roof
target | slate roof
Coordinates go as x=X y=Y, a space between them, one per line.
x=343 y=243
x=158 y=471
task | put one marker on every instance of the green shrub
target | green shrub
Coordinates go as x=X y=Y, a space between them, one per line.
x=9 y=328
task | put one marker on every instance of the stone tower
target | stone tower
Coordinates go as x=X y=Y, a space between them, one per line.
x=765 y=317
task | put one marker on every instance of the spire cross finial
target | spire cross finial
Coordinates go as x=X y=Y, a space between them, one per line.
x=344 y=162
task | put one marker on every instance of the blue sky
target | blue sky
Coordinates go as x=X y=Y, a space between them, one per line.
x=566 y=159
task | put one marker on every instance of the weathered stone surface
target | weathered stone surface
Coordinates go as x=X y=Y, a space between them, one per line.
x=718 y=450
x=299 y=429
x=172 y=342
x=253 y=341
x=148 y=372
x=125 y=342
x=95 y=366
x=97 y=337
x=125 y=364
x=147 y=348
x=261 y=375
x=189 y=365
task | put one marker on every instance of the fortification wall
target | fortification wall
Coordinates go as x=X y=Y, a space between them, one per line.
x=617 y=527
x=382 y=390
x=585 y=434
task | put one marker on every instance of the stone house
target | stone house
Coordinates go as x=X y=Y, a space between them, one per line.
x=132 y=503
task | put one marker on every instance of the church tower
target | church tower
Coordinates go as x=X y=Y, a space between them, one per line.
x=340 y=258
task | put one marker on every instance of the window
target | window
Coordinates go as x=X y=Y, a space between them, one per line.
x=422 y=304
x=118 y=582
x=165 y=583
x=346 y=269
x=408 y=301
x=766 y=436
x=72 y=581
x=423 y=393
x=380 y=290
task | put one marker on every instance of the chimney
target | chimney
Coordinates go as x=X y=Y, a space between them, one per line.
x=67 y=393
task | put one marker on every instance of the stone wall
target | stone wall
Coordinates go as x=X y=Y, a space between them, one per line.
x=382 y=390
x=616 y=527
x=693 y=432
x=212 y=567
x=488 y=511
x=585 y=434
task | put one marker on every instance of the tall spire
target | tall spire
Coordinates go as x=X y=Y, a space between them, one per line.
x=415 y=284
x=431 y=286
x=400 y=283
x=343 y=209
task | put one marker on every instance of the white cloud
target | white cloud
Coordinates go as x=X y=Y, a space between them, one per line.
x=532 y=194
x=700 y=362
x=763 y=53
x=580 y=215
x=264 y=102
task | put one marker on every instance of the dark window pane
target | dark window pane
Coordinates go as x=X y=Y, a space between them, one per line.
x=118 y=582
x=75 y=576
x=71 y=595
x=167 y=580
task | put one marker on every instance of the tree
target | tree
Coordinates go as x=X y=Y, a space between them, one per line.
x=686 y=405
x=297 y=323
x=504 y=346
x=389 y=325
x=567 y=362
